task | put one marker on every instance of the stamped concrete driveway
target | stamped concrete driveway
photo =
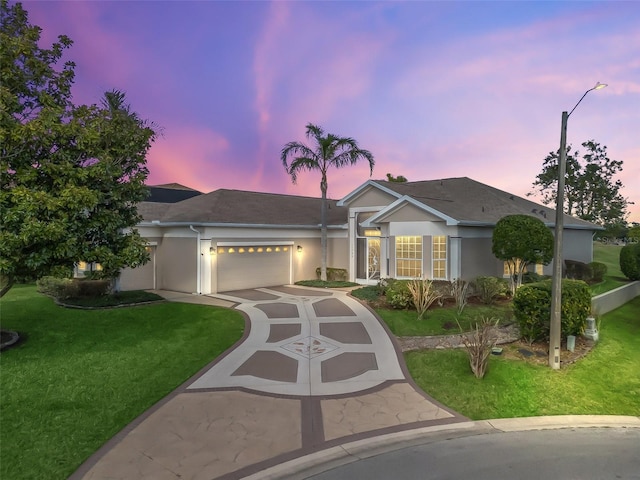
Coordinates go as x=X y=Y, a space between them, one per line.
x=315 y=369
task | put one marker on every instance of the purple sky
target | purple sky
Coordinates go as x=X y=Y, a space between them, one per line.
x=432 y=89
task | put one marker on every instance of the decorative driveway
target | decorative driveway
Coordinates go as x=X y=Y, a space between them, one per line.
x=316 y=369
x=306 y=342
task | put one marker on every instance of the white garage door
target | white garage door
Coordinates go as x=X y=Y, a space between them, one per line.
x=253 y=266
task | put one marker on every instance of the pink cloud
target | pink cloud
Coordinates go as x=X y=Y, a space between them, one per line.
x=194 y=156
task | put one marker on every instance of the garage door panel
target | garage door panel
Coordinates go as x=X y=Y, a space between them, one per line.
x=237 y=271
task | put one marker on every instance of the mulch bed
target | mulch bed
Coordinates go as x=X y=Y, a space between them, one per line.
x=538 y=352
x=513 y=348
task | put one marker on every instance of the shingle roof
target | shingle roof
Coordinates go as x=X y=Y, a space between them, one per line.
x=170 y=193
x=245 y=208
x=472 y=202
x=175 y=186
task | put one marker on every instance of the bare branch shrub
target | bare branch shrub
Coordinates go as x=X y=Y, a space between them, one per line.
x=479 y=343
x=424 y=294
x=459 y=290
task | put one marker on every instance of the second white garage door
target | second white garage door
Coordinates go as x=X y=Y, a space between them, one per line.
x=251 y=266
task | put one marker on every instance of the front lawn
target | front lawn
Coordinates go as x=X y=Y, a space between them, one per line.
x=81 y=376
x=607 y=381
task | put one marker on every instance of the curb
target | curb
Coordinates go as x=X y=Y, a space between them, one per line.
x=322 y=461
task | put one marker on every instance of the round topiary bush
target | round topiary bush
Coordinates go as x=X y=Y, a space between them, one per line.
x=630 y=261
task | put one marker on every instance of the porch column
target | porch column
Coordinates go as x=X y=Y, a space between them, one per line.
x=455 y=245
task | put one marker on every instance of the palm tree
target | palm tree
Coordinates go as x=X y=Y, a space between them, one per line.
x=329 y=151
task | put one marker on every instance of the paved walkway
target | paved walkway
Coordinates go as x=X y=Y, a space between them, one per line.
x=315 y=369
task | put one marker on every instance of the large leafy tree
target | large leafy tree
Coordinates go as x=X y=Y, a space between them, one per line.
x=591 y=191
x=520 y=241
x=328 y=151
x=70 y=175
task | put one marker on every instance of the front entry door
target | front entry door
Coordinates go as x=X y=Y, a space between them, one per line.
x=368 y=258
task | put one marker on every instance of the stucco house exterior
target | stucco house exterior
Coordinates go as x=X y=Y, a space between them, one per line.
x=231 y=239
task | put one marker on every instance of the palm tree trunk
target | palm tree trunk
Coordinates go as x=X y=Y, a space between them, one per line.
x=323 y=229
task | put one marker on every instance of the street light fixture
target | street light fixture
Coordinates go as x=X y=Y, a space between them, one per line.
x=555 y=327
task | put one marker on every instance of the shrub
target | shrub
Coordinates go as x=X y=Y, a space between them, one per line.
x=459 y=290
x=59 y=288
x=66 y=288
x=443 y=287
x=423 y=294
x=490 y=288
x=532 y=277
x=578 y=270
x=630 y=261
x=599 y=270
x=398 y=294
x=479 y=344
x=383 y=283
x=532 y=308
x=333 y=274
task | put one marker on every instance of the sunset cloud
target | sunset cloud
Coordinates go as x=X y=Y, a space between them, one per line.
x=433 y=89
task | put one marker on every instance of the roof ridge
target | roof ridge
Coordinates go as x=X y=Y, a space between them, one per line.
x=266 y=193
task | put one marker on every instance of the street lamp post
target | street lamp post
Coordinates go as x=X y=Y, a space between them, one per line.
x=555 y=327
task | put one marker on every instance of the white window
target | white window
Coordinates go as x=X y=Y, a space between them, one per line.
x=409 y=256
x=84 y=269
x=439 y=257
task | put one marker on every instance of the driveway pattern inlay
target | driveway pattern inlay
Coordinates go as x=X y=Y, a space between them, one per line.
x=315 y=330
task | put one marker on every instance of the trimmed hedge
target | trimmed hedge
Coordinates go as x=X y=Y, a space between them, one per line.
x=66 y=288
x=333 y=274
x=630 y=261
x=578 y=270
x=532 y=308
x=599 y=270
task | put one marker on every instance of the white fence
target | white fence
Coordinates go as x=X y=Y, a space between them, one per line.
x=613 y=299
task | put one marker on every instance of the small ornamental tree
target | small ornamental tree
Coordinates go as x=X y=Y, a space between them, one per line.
x=520 y=241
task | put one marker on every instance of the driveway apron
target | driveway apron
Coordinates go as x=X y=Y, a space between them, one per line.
x=315 y=369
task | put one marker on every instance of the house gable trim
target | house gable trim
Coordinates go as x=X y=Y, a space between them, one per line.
x=362 y=189
x=402 y=201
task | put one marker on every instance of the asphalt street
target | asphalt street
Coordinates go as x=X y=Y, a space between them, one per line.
x=580 y=453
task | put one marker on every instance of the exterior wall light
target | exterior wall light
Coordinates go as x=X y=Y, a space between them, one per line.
x=212 y=250
x=299 y=248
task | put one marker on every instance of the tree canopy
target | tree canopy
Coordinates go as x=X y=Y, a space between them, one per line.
x=398 y=179
x=70 y=175
x=329 y=150
x=591 y=190
x=520 y=241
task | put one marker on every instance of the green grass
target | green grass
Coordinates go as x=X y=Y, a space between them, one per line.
x=607 y=381
x=81 y=376
x=610 y=256
x=370 y=293
x=441 y=321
